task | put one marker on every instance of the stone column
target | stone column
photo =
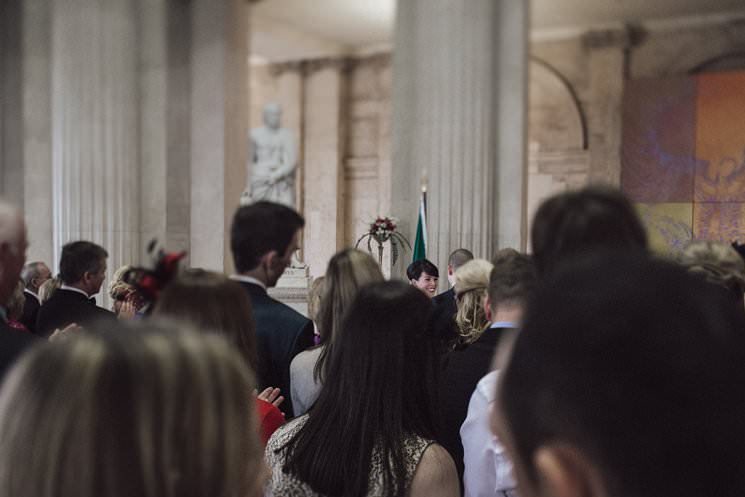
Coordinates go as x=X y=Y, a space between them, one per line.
x=322 y=145
x=94 y=126
x=219 y=126
x=459 y=118
x=164 y=123
x=37 y=130
x=607 y=52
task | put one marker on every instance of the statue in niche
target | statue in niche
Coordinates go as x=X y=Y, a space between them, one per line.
x=273 y=165
x=273 y=161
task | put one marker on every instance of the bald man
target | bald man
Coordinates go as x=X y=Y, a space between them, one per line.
x=12 y=258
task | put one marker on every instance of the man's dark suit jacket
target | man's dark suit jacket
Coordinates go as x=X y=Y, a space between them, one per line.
x=12 y=344
x=30 y=310
x=463 y=370
x=281 y=334
x=65 y=307
x=446 y=300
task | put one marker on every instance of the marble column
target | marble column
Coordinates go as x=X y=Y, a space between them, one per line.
x=607 y=53
x=322 y=145
x=37 y=130
x=164 y=121
x=11 y=109
x=459 y=90
x=219 y=126
x=94 y=126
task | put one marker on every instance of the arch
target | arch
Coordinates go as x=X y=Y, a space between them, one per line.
x=555 y=115
x=728 y=61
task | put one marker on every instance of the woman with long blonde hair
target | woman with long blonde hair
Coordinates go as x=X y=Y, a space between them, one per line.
x=471 y=286
x=347 y=271
x=149 y=410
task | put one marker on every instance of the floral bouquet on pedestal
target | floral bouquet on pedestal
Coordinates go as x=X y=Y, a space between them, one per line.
x=381 y=230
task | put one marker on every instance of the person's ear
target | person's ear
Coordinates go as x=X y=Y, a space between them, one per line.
x=563 y=471
x=271 y=260
x=487 y=308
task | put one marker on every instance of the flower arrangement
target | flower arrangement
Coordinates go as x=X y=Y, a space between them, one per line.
x=383 y=229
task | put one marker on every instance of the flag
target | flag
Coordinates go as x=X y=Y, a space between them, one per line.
x=420 y=242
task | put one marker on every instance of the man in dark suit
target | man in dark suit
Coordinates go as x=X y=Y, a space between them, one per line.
x=82 y=270
x=447 y=298
x=510 y=283
x=12 y=256
x=263 y=238
x=33 y=275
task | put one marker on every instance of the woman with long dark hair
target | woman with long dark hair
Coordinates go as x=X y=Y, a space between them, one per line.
x=371 y=430
x=347 y=271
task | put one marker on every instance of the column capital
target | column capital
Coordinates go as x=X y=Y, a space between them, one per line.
x=341 y=64
x=279 y=68
x=623 y=38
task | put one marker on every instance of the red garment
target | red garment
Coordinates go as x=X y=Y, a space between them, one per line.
x=17 y=325
x=270 y=418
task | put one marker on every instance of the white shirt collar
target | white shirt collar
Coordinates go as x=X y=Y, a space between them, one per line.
x=34 y=294
x=248 y=279
x=73 y=289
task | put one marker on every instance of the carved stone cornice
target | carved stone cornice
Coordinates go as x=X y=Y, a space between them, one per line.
x=342 y=64
x=381 y=59
x=622 y=38
x=279 y=68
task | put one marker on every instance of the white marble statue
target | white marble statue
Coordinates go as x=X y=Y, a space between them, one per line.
x=273 y=161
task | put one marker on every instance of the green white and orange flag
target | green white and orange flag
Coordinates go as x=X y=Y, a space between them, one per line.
x=420 y=242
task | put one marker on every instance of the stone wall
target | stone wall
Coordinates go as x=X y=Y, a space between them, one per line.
x=576 y=88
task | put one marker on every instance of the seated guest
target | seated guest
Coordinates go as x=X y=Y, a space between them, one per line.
x=718 y=263
x=626 y=379
x=34 y=275
x=212 y=303
x=575 y=224
x=82 y=271
x=130 y=412
x=509 y=284
x=372 y=428
x=47 y=289
x=263 y=238
x=423 y=275
x=15 y=308
x=447 y=298
x=471 y=284
x=347 y=272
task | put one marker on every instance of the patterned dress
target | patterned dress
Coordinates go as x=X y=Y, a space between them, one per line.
x=287 y=485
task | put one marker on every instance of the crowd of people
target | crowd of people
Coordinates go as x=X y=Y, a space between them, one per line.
x=589 y=367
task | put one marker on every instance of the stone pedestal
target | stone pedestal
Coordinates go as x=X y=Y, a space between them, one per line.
x=292 y=289
x=459 y=92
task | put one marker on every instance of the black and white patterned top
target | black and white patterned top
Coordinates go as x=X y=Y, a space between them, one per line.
x=287 y=485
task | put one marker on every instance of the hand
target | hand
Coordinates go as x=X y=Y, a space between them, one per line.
x=60 y=334
x=271 y=395
x=128 y=309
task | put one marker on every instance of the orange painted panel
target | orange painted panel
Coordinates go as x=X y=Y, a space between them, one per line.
x=719 y=221
x=720 y=138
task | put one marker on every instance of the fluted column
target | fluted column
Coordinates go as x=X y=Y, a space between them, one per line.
x=95 y=146
x=459 y=118
x=219 y=126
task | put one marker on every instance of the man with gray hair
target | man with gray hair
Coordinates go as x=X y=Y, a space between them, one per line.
x=33 y=275
x=12 y=257
x=447 y=298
